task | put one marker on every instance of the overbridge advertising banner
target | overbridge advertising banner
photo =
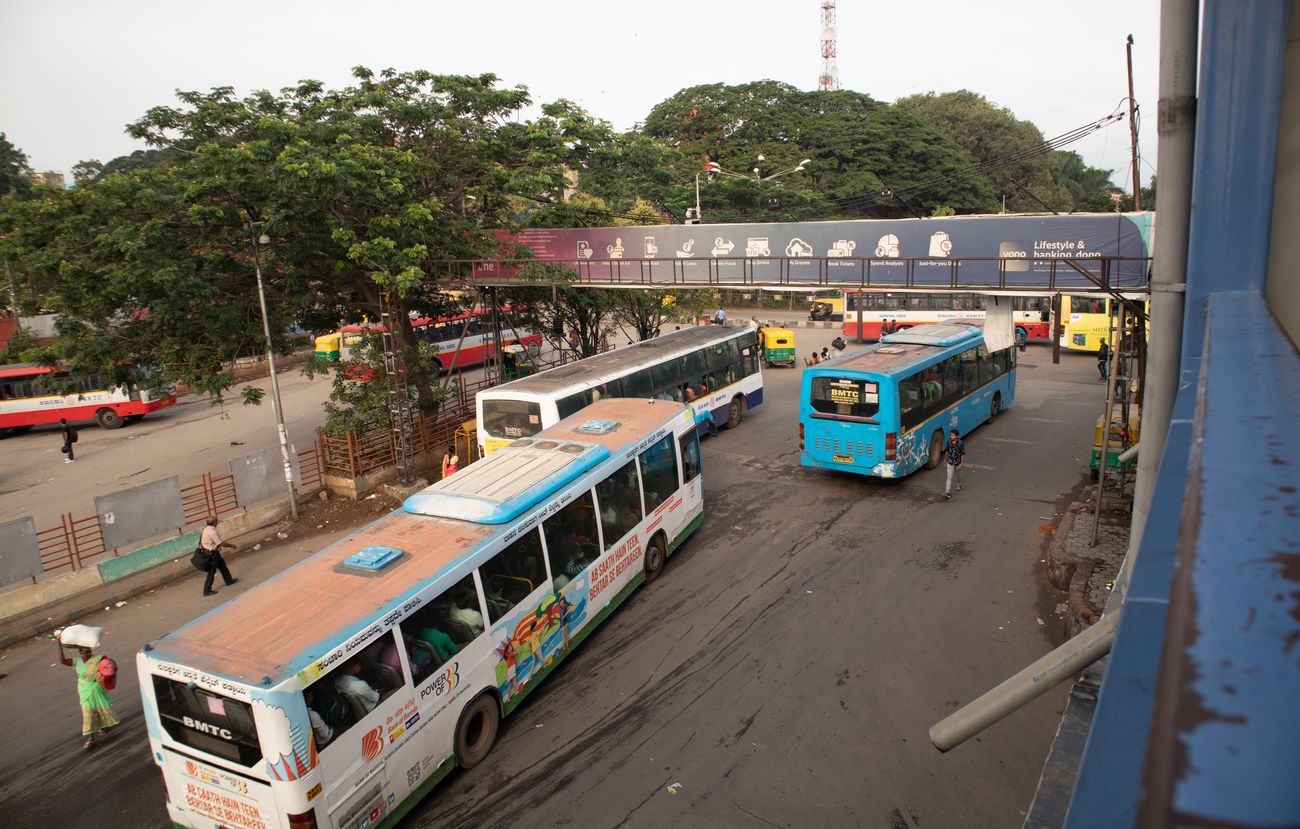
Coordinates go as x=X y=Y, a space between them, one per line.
x=1010 y=250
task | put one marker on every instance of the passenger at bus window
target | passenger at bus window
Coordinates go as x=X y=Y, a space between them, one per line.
x=464 y=611
x=498 y=604
x=687 y=392
x=435 y=635
x=321 y=729
x=931 y=385
x=349 y=682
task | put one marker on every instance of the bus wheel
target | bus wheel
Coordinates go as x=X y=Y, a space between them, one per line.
x=936 y=451
x=735 y=412
x=14 y=430
x=654 y=558
x=477 y=731
x=108 y=419
x=995 y=408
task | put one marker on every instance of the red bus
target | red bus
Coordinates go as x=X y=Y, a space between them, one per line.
x=31 y=395
x=1032 y=314
x=442 y=332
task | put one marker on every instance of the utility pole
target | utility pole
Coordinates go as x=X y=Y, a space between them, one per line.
x=1133 y=128
x=258 y=241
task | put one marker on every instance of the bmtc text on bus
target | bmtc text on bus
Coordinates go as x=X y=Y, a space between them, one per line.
x=885 y=410
x=710 y=368
x=32 y=395
x=341 y=691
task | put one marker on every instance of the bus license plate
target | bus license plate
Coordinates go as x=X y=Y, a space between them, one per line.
x=842 y=458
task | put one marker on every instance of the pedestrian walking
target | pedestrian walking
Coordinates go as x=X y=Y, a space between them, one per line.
x=69 y=438
x=706 y=417
x=838 y=344
x=211 y=543
x=446 y=459
x=719 y=316
x=96 y=708
x=1103 y=360
x=955 y=459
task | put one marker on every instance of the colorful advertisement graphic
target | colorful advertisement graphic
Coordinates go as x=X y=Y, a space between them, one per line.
x=539 y=635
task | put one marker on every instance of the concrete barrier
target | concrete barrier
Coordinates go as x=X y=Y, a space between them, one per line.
x=142 y=559
x=23 y=599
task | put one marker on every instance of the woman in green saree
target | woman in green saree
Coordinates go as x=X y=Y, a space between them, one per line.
x=96 y=710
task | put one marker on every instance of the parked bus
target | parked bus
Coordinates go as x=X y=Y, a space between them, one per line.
x=444 y=333
x=31 y=395
x=711 y=368
x=338 y=693
x=885 y=410
x=1032 y=314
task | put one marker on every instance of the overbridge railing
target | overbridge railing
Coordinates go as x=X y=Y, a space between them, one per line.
x=1077 y=274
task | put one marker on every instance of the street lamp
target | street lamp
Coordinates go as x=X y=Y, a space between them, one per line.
x=258 y=242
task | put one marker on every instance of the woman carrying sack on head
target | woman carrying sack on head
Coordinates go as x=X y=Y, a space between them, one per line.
x=92 y=689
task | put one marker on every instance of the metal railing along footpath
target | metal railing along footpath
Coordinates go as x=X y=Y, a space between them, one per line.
x=355 y=454
x=75 y=542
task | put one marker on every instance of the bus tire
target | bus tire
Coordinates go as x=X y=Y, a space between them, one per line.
x=12 y=431
x=108 y=419
x=476 y=731
x=995 y=408
x=735 y=412
x=653 y=561
x=936 y=451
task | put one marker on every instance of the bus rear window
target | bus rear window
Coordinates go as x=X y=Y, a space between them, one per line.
x=511 y=419
x=845 y=397
x=207 y=722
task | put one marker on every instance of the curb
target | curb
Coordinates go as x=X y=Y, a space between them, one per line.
x=32 y=631
x=172 y=570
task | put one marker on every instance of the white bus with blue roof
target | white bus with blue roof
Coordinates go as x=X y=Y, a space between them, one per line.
x=338 y=693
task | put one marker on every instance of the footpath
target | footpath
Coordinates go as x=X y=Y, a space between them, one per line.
x=1084 y=571
x=262 y=553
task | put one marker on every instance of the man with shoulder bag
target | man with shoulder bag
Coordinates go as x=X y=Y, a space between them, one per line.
x=210 y=543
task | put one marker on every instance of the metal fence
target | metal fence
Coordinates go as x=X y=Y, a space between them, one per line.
x=356 y=454
x=74 y=543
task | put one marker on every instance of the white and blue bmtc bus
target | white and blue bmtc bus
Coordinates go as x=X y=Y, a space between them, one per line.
x=339 y=692
x=885 y=410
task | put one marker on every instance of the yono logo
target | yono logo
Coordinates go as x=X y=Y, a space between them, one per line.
x=372 y=743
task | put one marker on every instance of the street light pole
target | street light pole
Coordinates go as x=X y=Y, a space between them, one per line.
x=258 y=241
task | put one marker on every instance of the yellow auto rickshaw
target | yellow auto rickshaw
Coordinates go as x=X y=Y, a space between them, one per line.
x=327 y=347
x=827 y=310
x=778 y=346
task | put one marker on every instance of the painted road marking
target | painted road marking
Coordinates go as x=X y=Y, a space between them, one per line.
x=1011 y=440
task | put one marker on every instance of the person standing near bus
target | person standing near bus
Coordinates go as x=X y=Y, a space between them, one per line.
x=96 y=709
x=955 y=459
x=69 y=438
x=1103 y=360
x=446 y=459
x=212 y=542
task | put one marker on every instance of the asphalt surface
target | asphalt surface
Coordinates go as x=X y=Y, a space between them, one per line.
x=783 y=671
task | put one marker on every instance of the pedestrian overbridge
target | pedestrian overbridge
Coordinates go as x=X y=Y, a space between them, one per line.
x=1022 y=254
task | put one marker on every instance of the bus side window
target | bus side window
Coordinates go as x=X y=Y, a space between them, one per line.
x=690 y=444
x=345 y=695
x=572 y=542
x=970 y=370
x=619 y=498
x=911 y=400
x=572 y=404
x=512 y=574
x=638 y=384
x=429 y=638
x=659 y=473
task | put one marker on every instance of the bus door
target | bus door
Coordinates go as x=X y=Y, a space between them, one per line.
x=843 y=427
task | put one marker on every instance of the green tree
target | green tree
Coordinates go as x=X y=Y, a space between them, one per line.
x=14 y=171
x=364 y=192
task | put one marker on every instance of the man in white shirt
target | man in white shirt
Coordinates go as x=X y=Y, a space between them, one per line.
x=720 y=317
x=349 y=683
x=212 y=542
x=464 y=610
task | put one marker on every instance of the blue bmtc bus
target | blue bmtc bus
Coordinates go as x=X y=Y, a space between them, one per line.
x=885 y=410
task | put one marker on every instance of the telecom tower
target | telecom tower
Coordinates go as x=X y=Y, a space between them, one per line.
x=830 y=77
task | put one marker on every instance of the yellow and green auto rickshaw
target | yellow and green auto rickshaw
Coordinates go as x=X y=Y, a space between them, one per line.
x=778 y=346
x=827 y=310
x=327 y=347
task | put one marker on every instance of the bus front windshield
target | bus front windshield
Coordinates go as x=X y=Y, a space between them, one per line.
x=848 y=397
x=511 y=419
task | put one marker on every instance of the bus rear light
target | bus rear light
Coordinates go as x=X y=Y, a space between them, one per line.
x=306 y=820
x=891 y=446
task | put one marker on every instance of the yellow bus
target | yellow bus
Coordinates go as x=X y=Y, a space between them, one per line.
x=1086 y=320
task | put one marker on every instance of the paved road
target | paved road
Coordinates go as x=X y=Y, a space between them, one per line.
x=784 y=669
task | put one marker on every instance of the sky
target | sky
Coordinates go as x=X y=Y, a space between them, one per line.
x=74 y=73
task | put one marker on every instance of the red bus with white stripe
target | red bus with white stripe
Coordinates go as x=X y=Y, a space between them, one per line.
x=31 y=395
x=1032 y=314
x=445 y=333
